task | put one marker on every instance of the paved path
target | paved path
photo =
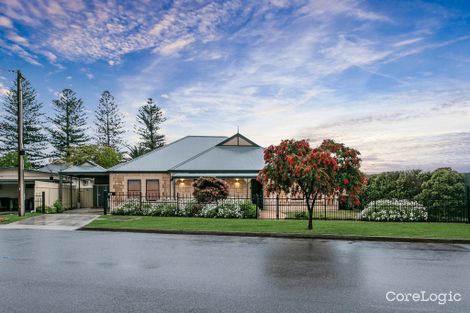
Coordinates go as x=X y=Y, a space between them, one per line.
x=52 y=222
x=57 y=271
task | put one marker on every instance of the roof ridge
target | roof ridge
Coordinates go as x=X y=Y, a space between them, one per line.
x=146 y=154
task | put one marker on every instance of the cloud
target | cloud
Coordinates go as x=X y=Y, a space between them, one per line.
x=3 y=90
x=21 y=52
x=5 y=22
x=110 y=30
x=174 y=47
x=50 y=56
x=17 y=38
x=324 y=8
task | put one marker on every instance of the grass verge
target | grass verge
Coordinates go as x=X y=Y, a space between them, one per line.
x=7 y=218
x=344 y=228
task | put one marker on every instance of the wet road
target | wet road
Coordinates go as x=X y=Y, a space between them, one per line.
x=59 y=271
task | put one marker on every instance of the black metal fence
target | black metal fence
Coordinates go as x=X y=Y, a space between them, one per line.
x=281 y=208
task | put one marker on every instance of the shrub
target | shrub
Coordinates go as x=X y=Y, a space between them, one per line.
x=301 y=215
x=394 y=210
x=210 y=189
x=225 y=209
x=59 y=208
x=248 y=209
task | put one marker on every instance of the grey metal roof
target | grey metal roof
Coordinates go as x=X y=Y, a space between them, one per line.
x=225 y=158
x=87 y=167
x=170 y=155
x=53 y=168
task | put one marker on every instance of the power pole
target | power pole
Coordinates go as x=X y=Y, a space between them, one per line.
x=21 y=191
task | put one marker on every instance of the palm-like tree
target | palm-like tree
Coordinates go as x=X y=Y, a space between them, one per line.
x=136 y=151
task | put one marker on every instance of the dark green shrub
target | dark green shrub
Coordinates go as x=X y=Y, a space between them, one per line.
x=58 y=207
x=248 y=209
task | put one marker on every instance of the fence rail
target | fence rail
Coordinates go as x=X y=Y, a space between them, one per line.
x=281 y=208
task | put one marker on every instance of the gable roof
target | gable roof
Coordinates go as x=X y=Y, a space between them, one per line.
x=170 y=155
x=238 y=140
x=54 y=168
x=225 y=158
x=87 y=167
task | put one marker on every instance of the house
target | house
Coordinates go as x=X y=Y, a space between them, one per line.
x=169 y=171
x=44 y=179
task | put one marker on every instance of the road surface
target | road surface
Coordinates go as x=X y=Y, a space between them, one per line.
x=63 y=271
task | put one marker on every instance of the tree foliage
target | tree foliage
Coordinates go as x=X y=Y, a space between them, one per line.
x=34 y=138
x=109 y=124
x=293 y=167
x=210 y=189
x=136 y=151
x=441 y=184
x=444 y=184
x=150 y=118
x=68 y=124
x=395 y=185
x=102 y=155
x=10 y=159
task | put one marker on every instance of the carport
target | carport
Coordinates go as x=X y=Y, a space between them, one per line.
x=96 y=180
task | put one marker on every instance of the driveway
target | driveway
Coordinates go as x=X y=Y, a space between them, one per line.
x=56 y=271
x=52 y=222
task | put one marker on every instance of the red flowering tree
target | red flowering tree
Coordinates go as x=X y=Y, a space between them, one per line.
x=210 y=189
x=296 y=168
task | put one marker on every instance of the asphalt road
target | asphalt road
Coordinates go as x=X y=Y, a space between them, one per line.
x=59 y=271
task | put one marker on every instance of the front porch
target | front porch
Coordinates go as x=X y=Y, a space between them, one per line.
x=241 y=185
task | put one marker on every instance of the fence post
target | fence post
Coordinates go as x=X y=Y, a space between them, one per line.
x=468 y=204
x=43 y=202
x=177 y=201
x=140 y=200
x=105 y=201
x=324 y=204
x=277 y=207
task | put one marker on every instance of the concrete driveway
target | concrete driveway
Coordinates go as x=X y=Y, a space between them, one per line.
x=58 y=271
x=53 y=222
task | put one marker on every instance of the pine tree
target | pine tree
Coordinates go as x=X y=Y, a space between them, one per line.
x=69 y=124
x=109 y=122
x=149 y=118
x=34 y=138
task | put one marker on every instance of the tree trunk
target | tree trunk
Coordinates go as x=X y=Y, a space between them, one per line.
x=310 y=218
x=310 y=213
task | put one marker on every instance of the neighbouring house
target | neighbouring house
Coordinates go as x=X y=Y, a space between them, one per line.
x=45 y=180
x=169 y=171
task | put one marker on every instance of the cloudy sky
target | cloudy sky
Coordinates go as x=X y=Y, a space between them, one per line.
x=390 y=78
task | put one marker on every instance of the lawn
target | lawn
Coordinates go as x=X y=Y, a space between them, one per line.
x=356 y=228
x=6 y=218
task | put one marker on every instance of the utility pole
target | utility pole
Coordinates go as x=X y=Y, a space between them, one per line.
x=21 y=191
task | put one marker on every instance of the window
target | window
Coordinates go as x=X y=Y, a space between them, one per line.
x=133 y=188
x=153 y=189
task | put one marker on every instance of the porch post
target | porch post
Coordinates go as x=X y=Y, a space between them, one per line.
x=60 y=188
x=78 y=196
x=247 y=180
x=71 y=192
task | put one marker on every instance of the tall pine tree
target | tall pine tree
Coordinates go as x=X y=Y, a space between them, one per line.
x=109 y=124
x=34 y=138
x=149 y=119
x=68 y=125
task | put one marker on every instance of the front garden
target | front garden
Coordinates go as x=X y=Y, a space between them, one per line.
x=226 y=208
x=236 y=226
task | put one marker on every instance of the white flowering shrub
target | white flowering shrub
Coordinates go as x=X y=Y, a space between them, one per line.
x=394 y=210
x=228 y=208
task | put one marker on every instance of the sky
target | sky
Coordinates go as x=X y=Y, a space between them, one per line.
x=389 y=78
